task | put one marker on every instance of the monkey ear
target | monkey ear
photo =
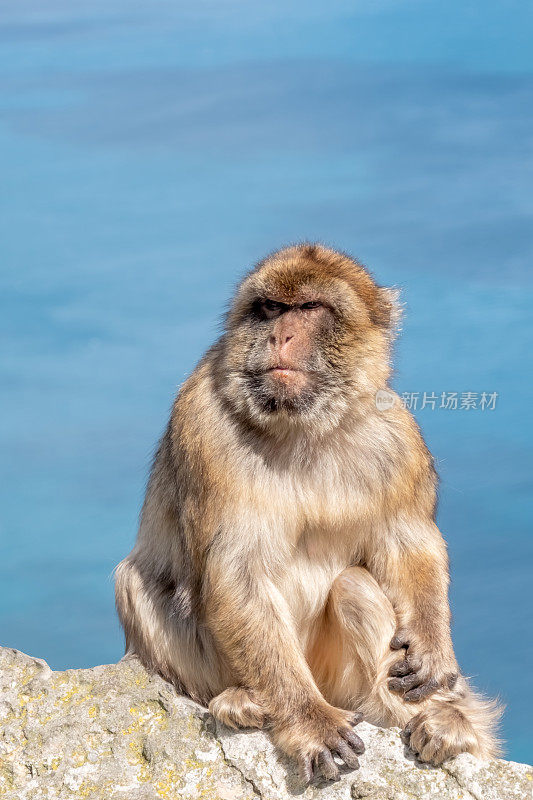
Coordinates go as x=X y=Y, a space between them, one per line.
x=390 y=309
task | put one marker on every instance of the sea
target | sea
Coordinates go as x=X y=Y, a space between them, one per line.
x=150 y=153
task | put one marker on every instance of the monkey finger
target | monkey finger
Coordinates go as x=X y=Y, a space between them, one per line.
x=401 y=668
x=355 y=741
x=347 y=754
x=326 y=765
x=405 y=683
x=305 y=769
x=422 y=691
x=355 y=718
x=405 y=665
x=399 y=640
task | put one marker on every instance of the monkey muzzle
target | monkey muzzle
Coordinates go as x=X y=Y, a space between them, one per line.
x=287 y=379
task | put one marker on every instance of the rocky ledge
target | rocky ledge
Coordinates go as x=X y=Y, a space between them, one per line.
x=117 y=732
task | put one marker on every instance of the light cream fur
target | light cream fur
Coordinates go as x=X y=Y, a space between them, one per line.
x=281 y=549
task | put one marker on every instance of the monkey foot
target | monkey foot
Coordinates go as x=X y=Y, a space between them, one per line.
x=237 y=707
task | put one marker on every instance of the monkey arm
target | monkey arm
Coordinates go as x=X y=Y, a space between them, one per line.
x=255 y=635
x=254 y=631
x=414 y=575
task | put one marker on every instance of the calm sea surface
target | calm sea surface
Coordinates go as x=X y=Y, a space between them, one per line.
x=150 y=152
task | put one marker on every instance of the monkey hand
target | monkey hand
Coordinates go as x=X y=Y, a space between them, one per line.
x=420 y=672
x=321 y=733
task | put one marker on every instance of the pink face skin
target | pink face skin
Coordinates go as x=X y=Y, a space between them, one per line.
x=292 y=380
x=291 y=340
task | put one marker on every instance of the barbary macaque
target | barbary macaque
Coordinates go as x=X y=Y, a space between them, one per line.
x=288 y=570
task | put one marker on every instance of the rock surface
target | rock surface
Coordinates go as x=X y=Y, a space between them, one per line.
x=117 y=732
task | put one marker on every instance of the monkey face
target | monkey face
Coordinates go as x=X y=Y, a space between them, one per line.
x=304 y=335
x=286 y=363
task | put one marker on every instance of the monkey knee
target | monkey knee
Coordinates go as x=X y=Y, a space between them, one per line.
x=125 y=591
x=363 y=617
x=357 y=599
x=238 y=707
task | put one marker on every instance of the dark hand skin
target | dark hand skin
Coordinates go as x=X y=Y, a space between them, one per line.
x=411 y=676
x=344 y=743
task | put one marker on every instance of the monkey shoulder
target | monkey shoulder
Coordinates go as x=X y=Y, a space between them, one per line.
x=394 y=458
x=400 y=431
x=212 y=460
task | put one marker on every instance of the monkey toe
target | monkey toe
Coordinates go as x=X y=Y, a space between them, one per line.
x=346 y=752
x=345 y=744
x=355 y=718
x=320 y=766
x=434 y=750
x=432 y=745
x=326 y=766
x=305 y=769
x=420 y=743
x=415 y=735
x=324 y=763
x=439 y=733
x=405 y=734
x=355 y=741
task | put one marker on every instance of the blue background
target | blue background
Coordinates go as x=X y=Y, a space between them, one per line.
x=150 y=153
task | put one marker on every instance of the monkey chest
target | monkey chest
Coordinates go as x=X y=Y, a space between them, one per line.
x=311 y=569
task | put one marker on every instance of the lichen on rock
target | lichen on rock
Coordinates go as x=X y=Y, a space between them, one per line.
x=116 y=731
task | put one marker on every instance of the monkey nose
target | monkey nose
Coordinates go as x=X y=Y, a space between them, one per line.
x=280 y=341
x=284 y=343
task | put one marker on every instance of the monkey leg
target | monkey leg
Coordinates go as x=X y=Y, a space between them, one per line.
x=458 y=721
x=162 y=631
x=350 y=658
x=238 y=707
x=349 y=652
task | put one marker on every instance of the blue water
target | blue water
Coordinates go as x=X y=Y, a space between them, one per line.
x=149 y=154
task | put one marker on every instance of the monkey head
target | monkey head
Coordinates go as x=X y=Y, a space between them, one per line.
x=307 y=331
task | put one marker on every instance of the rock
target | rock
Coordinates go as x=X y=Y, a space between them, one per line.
x=117 y=732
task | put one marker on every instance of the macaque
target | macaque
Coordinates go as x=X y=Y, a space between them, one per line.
x=288 y=571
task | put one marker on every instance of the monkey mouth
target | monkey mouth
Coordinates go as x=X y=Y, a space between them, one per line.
x=288 y=375
x=282 y=388
x=290 y=381
x=284 y=371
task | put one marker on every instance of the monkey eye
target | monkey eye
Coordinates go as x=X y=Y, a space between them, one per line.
x=273 y=306
x=311 y=304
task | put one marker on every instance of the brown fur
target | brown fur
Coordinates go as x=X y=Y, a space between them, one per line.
x=288 y=533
